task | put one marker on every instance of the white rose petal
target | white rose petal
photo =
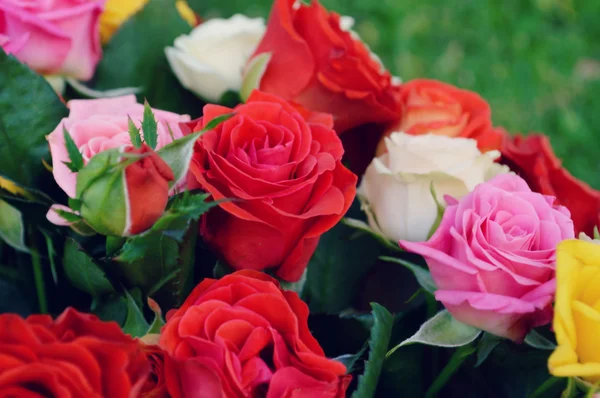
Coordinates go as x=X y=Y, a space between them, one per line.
x=210 y=60
x=396 y=188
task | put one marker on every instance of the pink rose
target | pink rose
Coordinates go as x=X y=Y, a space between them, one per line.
x=61 y=36
x=493 y=256
x=101 y=124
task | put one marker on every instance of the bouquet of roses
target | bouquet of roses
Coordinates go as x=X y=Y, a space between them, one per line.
x=310 y=225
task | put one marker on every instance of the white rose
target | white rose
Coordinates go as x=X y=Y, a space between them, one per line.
x=396 y=189
x=210 y=60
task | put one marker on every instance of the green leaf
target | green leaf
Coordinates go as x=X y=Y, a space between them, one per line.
x=12 y=230
x=83 y=272
x=337 y=268
x=149 y=126
x=216 y=121
x=178 y=154
x=485 y=347
x=256 y=69
x=378 y=345
x=542 y=391
x=26 y=102
x=111 y=308
x=422 y=275
x=350 y=360
x=442 y=331
x=364 y=227
x=536 y=340
x=76 y=158
x=155 y=259
x=135 y=323
x=182 y=210
x=68 y=216
x=135 y=57
x=134 y=133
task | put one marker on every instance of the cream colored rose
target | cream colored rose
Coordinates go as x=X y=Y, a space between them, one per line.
x=210 y=60
x=396 y=189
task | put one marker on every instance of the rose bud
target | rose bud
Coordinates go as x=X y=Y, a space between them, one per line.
x=124 y=195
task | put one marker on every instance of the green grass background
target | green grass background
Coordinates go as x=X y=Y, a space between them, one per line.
x=537 y=62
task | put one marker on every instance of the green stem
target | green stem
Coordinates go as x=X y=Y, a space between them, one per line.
x=38 y=275
x=542 y=390
x=455 y=362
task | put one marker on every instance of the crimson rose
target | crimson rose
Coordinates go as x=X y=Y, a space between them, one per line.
x=283 y=167
x=242 y=336
x=76 y=355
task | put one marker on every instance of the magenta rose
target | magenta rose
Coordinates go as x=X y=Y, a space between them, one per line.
x=53 y=36
x=493 y=256
x=101 y=124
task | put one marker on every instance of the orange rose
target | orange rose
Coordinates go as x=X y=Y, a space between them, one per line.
x=430 y=106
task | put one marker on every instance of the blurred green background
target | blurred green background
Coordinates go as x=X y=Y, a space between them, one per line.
x=537 y=62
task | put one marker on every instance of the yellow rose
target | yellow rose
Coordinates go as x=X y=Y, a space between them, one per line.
x=577 y=311
x=118 y=11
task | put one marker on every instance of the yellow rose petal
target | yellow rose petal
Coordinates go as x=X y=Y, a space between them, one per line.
x=577 y=311
x=116 y=12
x=588 y=371
x=587 y=326
x=186 y=12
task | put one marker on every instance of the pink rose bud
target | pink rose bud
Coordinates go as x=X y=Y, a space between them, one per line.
x=493 y=257
x=121 y=194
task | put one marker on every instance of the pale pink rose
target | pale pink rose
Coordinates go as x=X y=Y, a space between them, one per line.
x=493 y=256
x=101 y=124
x=62 y=35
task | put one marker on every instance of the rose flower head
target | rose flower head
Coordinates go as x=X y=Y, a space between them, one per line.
x=282 y=167
x=493 y=256
x=242 y=336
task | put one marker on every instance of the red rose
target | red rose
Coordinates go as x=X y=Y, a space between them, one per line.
x=430 y=106
x=156 y=385
x=284 y=170
x=322 y=66
x=77 y=355
x=533 y=159
x=242 y=336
